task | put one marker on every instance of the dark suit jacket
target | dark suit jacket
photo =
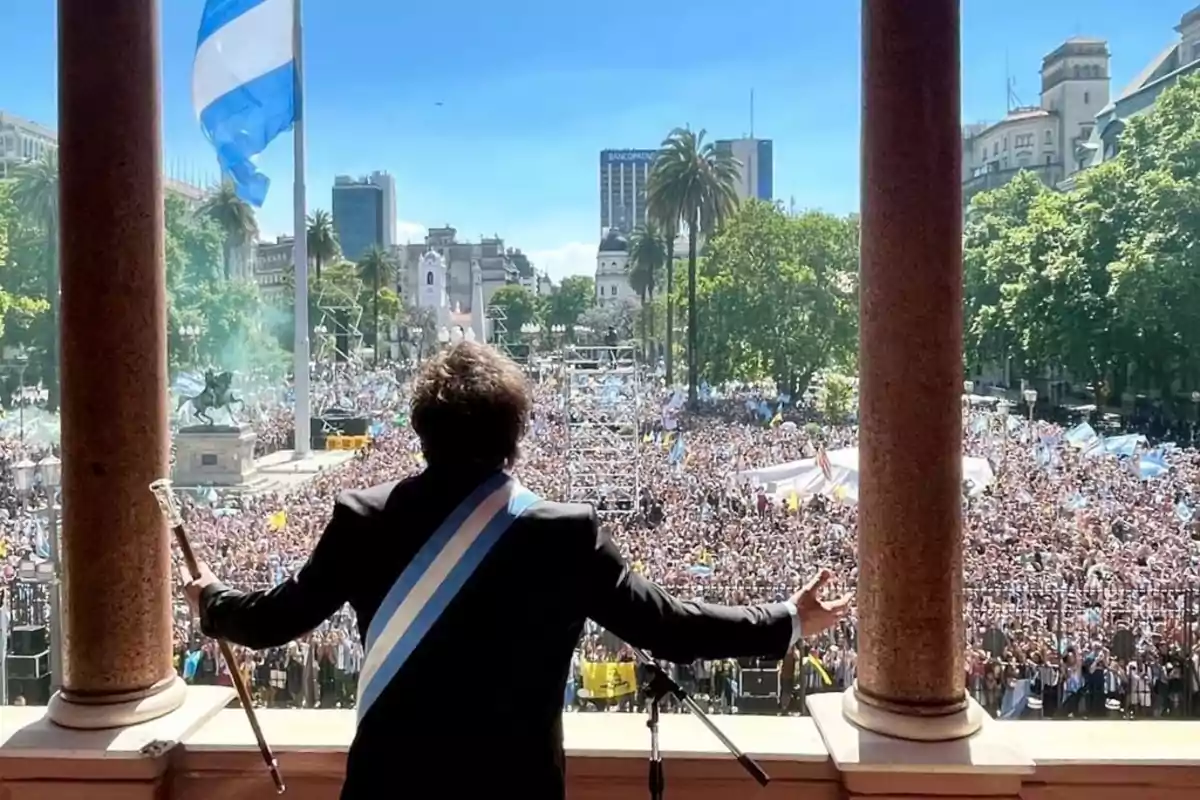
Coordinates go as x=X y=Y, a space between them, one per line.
x=478 y=706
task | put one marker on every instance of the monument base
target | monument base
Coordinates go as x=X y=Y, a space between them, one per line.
x=214 y=455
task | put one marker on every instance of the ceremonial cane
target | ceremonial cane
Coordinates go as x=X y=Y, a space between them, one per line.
x=170 y=509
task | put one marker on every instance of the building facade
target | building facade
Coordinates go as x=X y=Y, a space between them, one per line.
x=272 y=266
x=488 y=256
x=623 y=178
x=756 y=177
x=22 y=141
x=1043 y=138
x=364 y=213
x=612 y=270
x=1178 y=59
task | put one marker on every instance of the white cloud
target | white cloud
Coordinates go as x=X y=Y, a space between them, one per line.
x=574 y=258
x=410 y=232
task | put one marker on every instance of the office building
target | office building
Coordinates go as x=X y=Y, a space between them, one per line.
x=22 y=141
x=756 y=176
x=364 y=213
x=623 y=176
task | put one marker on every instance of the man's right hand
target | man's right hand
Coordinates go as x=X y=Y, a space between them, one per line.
x=817 y=615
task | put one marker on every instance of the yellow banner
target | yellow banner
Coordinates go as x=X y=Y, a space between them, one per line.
x=606 y=679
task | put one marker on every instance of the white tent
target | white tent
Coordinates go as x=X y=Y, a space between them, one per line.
x=805 y=477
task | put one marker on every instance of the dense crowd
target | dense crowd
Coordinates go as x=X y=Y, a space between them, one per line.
x=1081 y=572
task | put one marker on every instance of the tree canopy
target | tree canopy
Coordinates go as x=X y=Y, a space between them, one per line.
x=1100 y=284
x=777 y=296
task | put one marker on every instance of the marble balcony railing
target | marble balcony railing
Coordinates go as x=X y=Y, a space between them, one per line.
x=206 y=750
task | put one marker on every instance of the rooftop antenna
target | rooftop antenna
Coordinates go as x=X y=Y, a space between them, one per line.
x=751 y=113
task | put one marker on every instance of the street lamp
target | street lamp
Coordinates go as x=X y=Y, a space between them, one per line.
x=23 y=472
x=1196 y=412
x=456 y=334
x=1030 y=396
x=50 y=468
x=443 y=336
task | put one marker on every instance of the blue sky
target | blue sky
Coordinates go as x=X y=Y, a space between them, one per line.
x=531 y=91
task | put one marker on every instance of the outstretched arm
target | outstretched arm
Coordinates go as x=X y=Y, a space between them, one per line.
x=293 y=608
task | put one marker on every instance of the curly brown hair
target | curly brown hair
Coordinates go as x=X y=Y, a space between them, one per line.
x=470 y=405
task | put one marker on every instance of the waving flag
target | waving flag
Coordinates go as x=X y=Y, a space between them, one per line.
x=244 y=84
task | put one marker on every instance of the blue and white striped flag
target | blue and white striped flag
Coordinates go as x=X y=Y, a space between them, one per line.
x=244 y=84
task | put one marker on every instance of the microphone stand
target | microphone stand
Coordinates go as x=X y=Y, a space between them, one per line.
x=659 y=686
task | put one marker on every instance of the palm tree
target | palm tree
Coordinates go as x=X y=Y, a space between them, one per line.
x=233 y=216
x=692 y=182
x=322 y=241
x=376 y=268
x=647 y=254
x=35 y=194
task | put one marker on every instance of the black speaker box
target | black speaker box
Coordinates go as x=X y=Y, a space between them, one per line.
x=34 y=691
x=760 y=682
x=34 y=666
x=28 y=640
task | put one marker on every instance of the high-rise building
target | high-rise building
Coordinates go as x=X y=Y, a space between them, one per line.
x=757 y=174
x=364 y=213
x=623 y=176
x=22 y=141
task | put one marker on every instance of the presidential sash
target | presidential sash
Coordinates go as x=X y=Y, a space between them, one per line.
x=434 y=577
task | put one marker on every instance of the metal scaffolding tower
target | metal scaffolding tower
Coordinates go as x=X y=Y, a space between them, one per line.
x=337 y=334
x=602 y=404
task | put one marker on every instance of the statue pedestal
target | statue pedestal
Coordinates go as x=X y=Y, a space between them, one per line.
x=214 y=455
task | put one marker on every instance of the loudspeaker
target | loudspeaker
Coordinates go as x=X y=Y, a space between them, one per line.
x=34 y=666
x=751 y=704
x=34 y=691
x=760 y=682
x=28 y=640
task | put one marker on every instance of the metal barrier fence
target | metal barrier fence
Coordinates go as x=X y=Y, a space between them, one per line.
x=1029 y=651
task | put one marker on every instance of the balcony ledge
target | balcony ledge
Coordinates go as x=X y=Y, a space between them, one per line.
x=207 y=750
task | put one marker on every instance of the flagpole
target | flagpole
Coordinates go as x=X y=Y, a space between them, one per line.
x=303 y=410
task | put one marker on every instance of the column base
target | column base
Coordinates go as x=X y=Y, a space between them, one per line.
x=117 y=711
x=925 y=728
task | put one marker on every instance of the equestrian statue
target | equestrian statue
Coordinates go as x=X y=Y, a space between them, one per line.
x=217 y=394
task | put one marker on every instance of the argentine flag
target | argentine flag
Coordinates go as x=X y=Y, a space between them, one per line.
x=244 y=84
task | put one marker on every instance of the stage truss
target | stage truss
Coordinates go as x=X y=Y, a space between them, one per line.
x=338 y=318
x=602 y=404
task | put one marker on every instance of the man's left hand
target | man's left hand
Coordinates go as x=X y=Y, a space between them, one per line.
x=817 y=615
x=193 y=587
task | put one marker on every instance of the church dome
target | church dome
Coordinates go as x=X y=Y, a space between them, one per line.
x=614 y=242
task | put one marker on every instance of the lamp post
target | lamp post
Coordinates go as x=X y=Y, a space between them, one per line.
x=1002 y=412
x=20 y=363
x=417 y=335
x=191 y=336
x=1030 y=396
x=319 y=334
x=1195 y=412
x=46 y=572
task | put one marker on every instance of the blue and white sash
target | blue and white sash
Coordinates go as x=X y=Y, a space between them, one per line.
x=434 y=578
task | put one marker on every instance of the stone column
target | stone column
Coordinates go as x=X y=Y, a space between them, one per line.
x=910 y=673
x=116 y=559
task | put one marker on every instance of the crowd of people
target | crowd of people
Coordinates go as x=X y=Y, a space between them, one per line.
x=1080 y=571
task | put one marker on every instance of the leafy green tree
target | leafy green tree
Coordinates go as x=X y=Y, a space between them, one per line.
x=647 y=257
x=694 y=182
x=575 y=295
x=35 y=195
x=377 y=270
x=1100 y=285
x=322 y=240
x=777 y=296
x=233 y=216
x=836 y=397
x=521 y=307
x=618 y=315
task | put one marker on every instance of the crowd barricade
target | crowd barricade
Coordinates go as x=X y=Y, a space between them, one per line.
x=346 y=442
